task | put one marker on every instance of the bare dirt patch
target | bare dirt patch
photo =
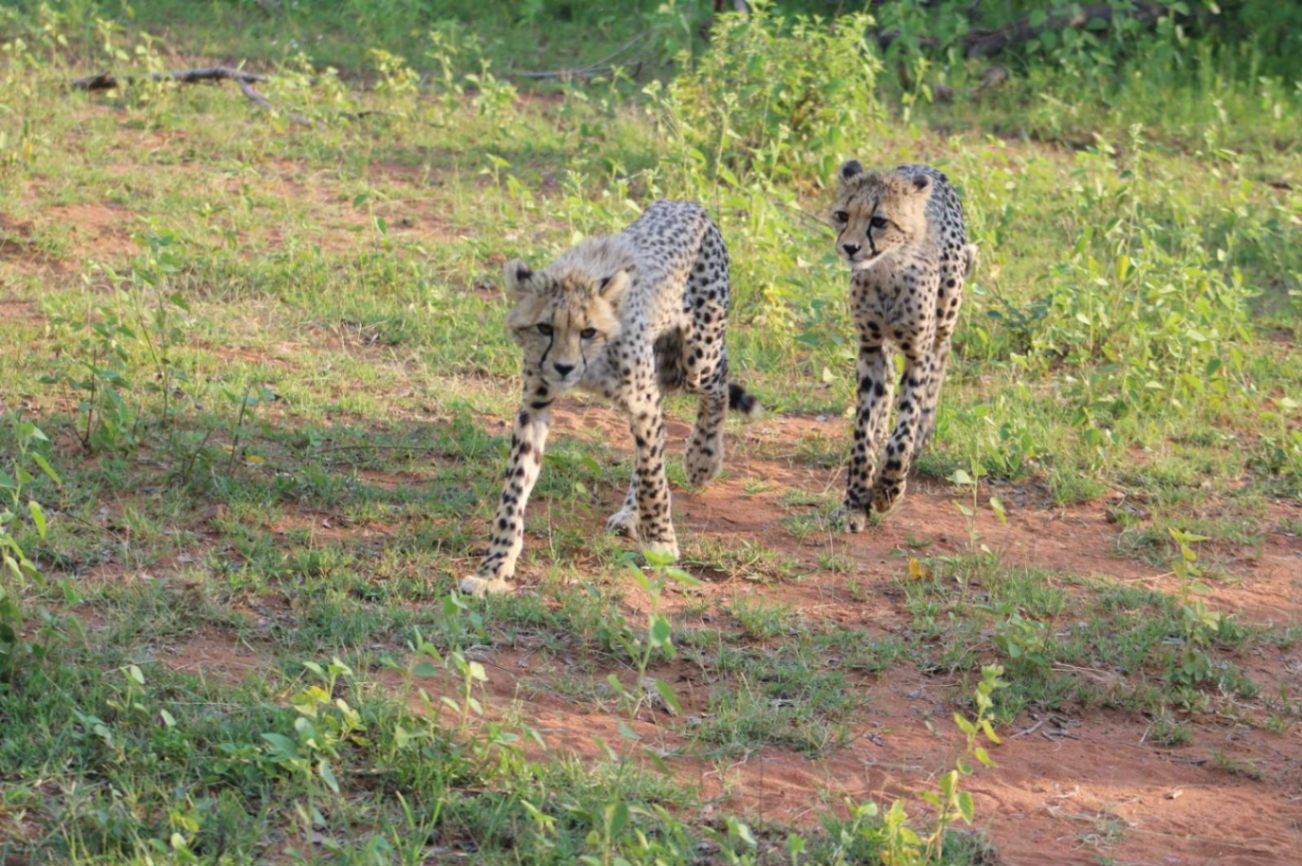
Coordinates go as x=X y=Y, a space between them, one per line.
x=1077 y=785
x=1074 y=785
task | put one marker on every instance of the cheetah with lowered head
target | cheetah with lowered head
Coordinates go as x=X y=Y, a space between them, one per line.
x=902 y=234
x=629 y=316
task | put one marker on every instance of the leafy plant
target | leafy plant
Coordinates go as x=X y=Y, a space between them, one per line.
x=656 y=642
x=774 y=98
x=17 y=570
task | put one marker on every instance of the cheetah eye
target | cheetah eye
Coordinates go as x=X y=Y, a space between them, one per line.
x=588 y=333
x=878 y=222
x=841 y=216
x=544 y=329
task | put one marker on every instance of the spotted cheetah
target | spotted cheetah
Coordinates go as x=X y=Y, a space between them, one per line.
x=629 y=316
x=902 y=234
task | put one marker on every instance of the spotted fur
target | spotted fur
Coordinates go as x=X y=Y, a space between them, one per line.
x=629 y=316
x=901 y=232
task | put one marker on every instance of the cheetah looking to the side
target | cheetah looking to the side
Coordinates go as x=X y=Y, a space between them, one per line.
x=629 y=316
x=902 y=234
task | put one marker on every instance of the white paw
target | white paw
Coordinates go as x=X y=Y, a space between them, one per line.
x=482 y=586
x=663 y=549
x=623 y=522
x=850 y=519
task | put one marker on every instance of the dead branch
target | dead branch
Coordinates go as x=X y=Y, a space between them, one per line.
x=1060 y=18
x=245 y=79
x=605 y=64
x=1073 y=16
x=107 y=81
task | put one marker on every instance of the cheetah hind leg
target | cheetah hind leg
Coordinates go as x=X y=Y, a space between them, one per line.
x=931 y=396
x=704 y=458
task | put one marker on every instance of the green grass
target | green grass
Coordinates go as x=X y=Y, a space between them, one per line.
x=270 y=365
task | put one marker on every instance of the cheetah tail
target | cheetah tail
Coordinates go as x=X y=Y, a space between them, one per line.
x=743 y=401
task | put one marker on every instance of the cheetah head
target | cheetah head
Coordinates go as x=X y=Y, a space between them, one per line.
x=877 y=213
x=562 y=317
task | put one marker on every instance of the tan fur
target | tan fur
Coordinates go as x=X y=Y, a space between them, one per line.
x=628 y=316
x=901 y=232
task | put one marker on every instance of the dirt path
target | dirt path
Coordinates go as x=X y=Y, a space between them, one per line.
x=1073 y=786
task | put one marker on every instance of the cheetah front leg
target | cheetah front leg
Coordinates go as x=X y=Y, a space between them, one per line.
x=528 y=439
x=871 y=416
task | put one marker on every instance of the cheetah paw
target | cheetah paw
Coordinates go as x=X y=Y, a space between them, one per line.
x=885 y=501
x=850 y=519
x=623 y=522
x=662 y=549
x=700 y=468
x=482 y=586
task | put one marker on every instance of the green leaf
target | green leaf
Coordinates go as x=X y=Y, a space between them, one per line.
x=281 y=744
x=989 y=731
x=425 y=669
x=327 y=775
x=742 y=832
x=966 y=809
x=667 y=695
x=617 y=817
x=660 y=631
x=38 y=516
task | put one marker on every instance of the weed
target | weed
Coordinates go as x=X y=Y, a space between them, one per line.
x=17 y=570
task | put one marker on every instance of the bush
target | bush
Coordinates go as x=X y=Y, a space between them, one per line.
x=783 y=99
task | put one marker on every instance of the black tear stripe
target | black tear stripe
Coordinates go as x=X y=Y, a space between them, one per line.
x=869 y=233
x=551 y=341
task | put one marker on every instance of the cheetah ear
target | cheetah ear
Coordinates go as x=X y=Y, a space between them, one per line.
x=850 y=169
x=920 y=182
x=518 y=277
x=613 y=287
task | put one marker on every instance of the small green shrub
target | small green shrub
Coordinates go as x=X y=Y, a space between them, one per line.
x=780 y=99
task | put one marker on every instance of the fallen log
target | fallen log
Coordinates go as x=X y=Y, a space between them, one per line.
x=244 y=78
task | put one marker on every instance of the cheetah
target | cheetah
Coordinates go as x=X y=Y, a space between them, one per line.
x=629 y=316
x=901 y=232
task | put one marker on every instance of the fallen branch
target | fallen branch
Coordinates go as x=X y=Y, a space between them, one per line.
x=605 y=64
x=245 y=79
x=107 y=81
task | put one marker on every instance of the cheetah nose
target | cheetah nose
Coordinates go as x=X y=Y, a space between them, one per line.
x=563 y=370
x=851 y=249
